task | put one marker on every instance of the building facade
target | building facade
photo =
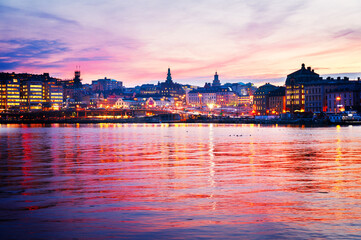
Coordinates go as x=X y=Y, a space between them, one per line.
x=343 y=98
x=295 y=92
x=277 y=101
x=261 y=99
x=29 y=92
x=170 y=88
x=9 y=94
x=32 y=95
x=319 y=97
x=53 y=95
x=106 y=84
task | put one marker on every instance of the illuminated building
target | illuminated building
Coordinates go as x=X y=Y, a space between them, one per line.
x=53 y=95
x=226 y=97
x=245 y=100
x=215 y=95
x=32 y=96
x=201 y=97
x=120 y=103
x=295 y=93
x=30 y=92
x=222 y=96
x=149 y=89
x=9 y=94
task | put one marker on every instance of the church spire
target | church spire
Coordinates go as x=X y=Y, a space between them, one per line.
x=169 y=76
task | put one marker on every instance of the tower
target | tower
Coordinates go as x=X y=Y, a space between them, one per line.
x=77 y=83
x=216 y=82
x=169 y=77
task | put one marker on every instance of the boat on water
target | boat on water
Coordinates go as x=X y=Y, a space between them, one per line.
x=347 y=117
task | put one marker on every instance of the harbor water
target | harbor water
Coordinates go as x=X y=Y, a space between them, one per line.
x=179 y=181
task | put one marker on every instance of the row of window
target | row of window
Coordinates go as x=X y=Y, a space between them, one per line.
x=313 y=91
x=295 y=102
x=313 y=98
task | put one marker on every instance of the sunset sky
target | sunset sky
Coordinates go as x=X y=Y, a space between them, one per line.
x=135 y=41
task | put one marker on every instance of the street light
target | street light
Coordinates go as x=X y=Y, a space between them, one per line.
x=338 y=98
x=200 y=99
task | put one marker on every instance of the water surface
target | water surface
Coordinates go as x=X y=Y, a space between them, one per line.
x=179 y=181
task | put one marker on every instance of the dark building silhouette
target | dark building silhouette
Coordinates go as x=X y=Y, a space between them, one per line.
x=73 y=83
x=106 y=84
x=216 y=82
x=73 y=88
x=77 y=80
x=277 y=103
x=169 y=88
x=261 y=99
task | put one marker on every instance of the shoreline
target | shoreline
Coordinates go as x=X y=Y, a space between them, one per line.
x=299 y=122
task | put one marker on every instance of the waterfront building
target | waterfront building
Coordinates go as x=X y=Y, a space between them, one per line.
x=53 y=95
x=261 y=99
x=343 y=98
x=295 y=93
x=277 y=101
x=317 y=98
x=32 y=95
x=30 y=92
x=9 y=94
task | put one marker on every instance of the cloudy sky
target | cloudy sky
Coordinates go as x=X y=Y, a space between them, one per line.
x=135 y=41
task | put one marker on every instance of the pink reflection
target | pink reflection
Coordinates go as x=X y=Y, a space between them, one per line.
x=155 y=177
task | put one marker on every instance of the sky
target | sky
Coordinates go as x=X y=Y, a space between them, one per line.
x=135 y=41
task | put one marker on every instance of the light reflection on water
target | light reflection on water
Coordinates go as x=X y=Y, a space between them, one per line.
x=179 y=181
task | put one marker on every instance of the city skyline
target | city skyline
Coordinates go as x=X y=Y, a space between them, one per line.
x=136 y=42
